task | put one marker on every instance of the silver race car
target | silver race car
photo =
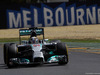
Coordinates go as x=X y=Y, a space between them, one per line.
x=35 y=51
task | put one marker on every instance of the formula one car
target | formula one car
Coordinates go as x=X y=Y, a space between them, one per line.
x=35 y=51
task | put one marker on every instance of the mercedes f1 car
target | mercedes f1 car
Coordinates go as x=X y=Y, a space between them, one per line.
x=35 y=51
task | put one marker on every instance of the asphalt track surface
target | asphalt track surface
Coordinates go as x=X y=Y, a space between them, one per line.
x=80 y=63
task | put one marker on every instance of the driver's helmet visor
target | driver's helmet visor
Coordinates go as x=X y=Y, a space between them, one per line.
x=35 y=40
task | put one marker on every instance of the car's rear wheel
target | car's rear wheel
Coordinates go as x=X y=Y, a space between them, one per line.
x=61 y=49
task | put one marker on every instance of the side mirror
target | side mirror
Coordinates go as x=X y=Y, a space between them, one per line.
x=46 y=40
x=24 y=42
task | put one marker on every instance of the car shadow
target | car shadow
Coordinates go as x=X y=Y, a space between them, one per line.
x=33 y=66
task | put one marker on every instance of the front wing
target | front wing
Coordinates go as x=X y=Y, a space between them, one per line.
x=24 y=61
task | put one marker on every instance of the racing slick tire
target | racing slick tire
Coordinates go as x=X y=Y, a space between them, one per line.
x=11 y=52
x=55 y=41
x=61 y=49
x=4 y=52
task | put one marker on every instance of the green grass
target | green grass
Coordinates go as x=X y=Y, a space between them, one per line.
x=63 y=40
x=81 y=40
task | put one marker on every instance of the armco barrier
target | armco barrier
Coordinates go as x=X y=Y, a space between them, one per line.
x=48 y=14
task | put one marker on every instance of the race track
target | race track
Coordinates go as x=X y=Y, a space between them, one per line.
x=80 y=63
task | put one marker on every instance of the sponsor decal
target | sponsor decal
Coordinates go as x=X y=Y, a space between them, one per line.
x=35 y=45
x=58 y=16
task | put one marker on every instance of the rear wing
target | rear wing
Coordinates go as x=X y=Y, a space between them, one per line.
x=26 y=32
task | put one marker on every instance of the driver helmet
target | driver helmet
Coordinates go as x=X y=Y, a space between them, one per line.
x=34 y=40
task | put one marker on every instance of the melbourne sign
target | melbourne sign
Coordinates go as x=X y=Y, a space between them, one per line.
x=45 y=16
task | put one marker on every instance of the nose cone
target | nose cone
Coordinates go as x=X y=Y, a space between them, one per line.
x=36 y=47
x=37 y=51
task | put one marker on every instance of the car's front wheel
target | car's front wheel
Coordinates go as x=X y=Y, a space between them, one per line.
x=61 y=49
x=5 y=52
x=10 y=51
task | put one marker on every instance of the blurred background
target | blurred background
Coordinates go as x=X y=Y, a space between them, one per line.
x=39 y=1
x=46 y=1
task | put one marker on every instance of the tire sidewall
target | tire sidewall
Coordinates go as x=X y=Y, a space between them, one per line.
x=12 y=53
x=5 y=52
x=61 y=49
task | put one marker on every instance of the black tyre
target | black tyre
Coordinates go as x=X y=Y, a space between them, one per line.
x=11 y=53
x=55 y=41
x=5 y=51
x=61 y=49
